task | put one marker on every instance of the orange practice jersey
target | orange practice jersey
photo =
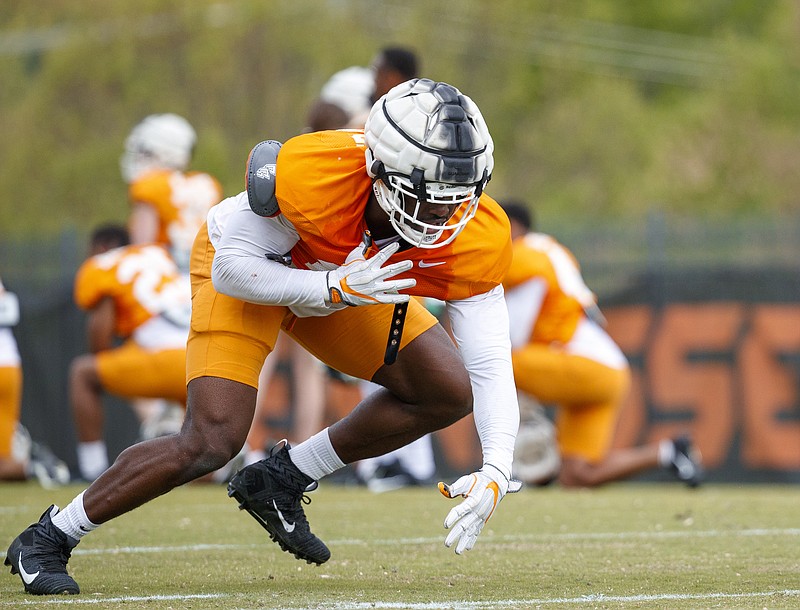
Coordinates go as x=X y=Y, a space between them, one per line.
x=537 y=255
x=322 y=187
x=142 y=280
x=182 y=201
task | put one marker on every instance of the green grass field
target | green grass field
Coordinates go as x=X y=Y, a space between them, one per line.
x=625 y=546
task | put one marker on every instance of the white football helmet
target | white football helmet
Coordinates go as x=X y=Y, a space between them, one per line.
x=160 y=141
x=428 y=143
x=350 y=89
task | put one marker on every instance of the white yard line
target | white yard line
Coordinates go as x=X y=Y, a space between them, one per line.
x=111 y=600
x=570 y=536
x=528 y=603
x=453 y=605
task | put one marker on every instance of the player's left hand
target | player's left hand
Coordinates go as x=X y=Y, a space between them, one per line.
x=483 y=491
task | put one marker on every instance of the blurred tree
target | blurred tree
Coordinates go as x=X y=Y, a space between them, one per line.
x=598 y=108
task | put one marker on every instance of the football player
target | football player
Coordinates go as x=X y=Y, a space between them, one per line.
x=133 y=293
x=12 y=467
x=392 y=66
x=368 y=218
x=168 y=202
x=563 y=356
x=21 y=458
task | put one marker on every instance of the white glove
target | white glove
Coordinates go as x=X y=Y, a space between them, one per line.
x=483 y=490
x=363 y=281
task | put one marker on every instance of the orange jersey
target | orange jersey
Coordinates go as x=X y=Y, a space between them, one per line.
x=142 y=280
x=323 y=188
x=539 y=256
x=182 y=201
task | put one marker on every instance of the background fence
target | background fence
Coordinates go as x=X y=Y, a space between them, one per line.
x=708 y=314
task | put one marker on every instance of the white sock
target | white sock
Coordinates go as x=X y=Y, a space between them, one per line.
x=73 y=520
x=316 y=457
x=92 y=459
x=666 y=452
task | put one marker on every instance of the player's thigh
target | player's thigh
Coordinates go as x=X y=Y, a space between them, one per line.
x=132 y=371
x=229 y=338
x=586 y=430
x=553 y=375
x=353 y=340
x=10 y=396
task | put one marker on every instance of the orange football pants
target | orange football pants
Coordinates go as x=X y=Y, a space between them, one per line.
x=10 y=403
x=133 y=372
x=231 y=339
x=588 y=396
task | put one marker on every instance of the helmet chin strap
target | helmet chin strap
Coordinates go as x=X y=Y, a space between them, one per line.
x=417 y=178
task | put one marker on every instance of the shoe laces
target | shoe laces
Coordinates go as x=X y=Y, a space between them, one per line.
x=55 y=555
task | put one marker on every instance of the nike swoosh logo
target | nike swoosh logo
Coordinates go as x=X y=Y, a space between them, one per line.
x=289 y=527
x=28 y=578
x=423 y=264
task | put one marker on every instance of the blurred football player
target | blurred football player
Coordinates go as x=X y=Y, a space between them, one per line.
x=392 y=66
x=168 y=202
x=369 y=219
x=344 y=100
x=20 y=457
x=136 y=294
x=563 y=356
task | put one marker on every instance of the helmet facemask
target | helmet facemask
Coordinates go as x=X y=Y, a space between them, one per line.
x=404 y=197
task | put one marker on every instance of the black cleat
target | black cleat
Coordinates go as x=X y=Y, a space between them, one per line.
x=40 y=555
x=686 y=462
x=272 y=491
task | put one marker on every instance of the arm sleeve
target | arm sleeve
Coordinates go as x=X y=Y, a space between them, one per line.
x=524 y=303
x=242 y=269
x=480 y=328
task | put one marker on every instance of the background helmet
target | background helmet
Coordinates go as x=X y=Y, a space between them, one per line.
x=160 y=141
x=350 y=89
x=426 y=141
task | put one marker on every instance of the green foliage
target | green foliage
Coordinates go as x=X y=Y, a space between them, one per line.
x=599 y=110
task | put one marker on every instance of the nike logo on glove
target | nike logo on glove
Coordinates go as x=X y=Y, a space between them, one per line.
x=289 y=527
x=26 y=577
x=423 y=264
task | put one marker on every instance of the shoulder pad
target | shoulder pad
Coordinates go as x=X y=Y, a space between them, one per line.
x=260 y=178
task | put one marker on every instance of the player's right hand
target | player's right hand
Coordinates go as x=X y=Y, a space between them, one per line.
x=363 y=281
